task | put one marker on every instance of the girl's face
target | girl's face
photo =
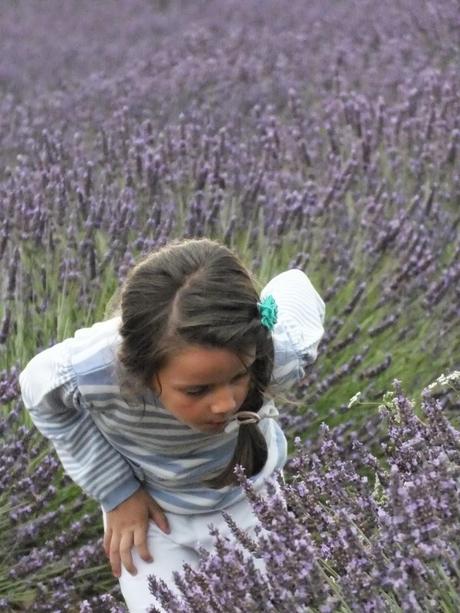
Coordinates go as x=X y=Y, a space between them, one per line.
x=203 y=387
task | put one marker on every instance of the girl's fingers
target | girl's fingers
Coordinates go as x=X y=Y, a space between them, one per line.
x=114 y=555
x=106 y=543
x=159 y=517
x=126 y=544
x=140 y=541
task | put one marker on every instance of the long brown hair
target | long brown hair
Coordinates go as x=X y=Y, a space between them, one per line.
x=197 y=292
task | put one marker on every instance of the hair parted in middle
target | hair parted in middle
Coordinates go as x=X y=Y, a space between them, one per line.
x=197 y=292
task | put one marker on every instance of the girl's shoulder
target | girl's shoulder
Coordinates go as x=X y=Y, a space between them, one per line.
x=299 y=326
x=88 y=356
x=93 y=351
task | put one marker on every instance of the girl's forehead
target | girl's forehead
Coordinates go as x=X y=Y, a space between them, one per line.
x=196 y=362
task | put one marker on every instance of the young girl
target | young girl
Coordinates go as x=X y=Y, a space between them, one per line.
x=148 y=411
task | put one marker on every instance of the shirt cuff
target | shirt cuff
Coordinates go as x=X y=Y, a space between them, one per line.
x=122 y=493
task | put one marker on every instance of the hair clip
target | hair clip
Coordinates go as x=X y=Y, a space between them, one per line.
x=243 y=418
x=268 y=310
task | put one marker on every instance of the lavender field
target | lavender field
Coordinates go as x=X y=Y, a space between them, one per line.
x=323 y=135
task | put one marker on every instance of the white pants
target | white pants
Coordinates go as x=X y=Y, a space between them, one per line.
x=171 y=551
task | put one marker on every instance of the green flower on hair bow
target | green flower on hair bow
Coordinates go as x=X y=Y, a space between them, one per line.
x=268 y=310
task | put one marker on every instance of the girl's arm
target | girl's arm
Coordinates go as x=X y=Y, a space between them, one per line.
x=299 y=327
x=50 y=393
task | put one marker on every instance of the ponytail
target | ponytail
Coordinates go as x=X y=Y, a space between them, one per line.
x=250 y=452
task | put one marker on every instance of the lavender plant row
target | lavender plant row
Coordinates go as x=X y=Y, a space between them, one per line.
x=345 y=530
x=333 y=539
x=51 y=541
x=323 y=136
x=302 y=138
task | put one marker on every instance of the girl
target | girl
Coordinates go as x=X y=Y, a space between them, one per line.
x=148 y=411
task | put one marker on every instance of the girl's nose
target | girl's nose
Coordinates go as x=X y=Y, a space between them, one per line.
x=223 y=400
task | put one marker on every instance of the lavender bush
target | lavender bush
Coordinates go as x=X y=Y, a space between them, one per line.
x=323 y=136
x=333 y=539
x=51 y=539
x=339 y=158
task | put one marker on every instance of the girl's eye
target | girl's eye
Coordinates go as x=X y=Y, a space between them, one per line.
x=201 y=391
x=242 y=375
x=198 y=391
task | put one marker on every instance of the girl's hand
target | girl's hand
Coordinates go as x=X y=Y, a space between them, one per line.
x=127 y=526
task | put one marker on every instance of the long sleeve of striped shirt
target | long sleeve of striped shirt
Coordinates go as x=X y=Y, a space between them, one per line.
x=299 y=327
x=57 y=408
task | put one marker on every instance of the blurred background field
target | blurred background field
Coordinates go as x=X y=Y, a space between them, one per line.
x=323 y=135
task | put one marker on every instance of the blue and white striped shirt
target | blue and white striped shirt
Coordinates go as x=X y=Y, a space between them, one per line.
x=110 y=446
